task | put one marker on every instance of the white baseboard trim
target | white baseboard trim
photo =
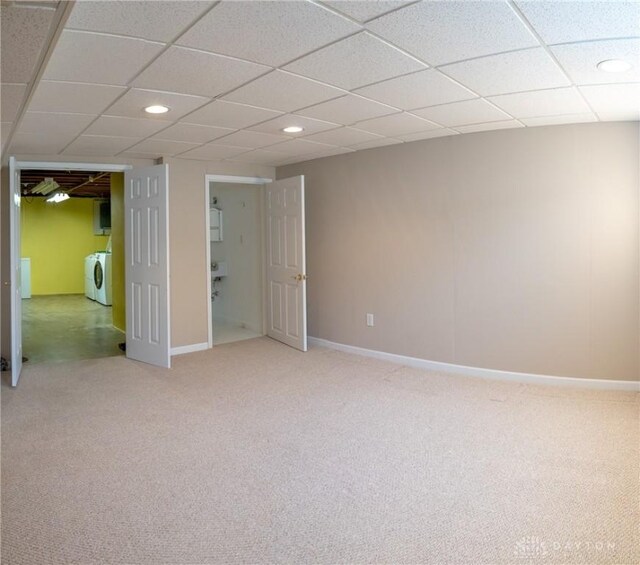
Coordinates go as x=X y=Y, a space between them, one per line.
x=603 y=384
x=189 y=348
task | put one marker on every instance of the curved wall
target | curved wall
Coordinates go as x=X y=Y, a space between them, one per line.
x=515 y=250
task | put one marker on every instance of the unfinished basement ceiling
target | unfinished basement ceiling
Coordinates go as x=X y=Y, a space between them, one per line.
x=353 y=74
x=85 y=184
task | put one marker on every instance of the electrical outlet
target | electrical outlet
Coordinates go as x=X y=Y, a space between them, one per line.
x=370 y=320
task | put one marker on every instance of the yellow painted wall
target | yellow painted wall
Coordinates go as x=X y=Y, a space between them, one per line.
x=57 y=238
x=117 y=246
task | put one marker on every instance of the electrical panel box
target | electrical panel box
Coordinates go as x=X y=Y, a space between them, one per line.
x=102 y=217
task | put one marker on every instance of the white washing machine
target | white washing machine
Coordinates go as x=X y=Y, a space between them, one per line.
x=89 y=284
x=102 y=278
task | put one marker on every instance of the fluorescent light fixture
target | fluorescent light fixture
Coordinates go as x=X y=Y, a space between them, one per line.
x=58 y=197
x=614 y=66
x=156 y=109
x=293 y=129
x=45 y=187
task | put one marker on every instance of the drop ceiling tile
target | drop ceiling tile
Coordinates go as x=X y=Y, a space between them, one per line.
x=102 y=59
x=283 y=91
x=424 y=88
x=612 y=98
x=295 y=147
x=160 y=21
x=12 y=96
x=364 y=11
x=564 y=22
x=396 y=124
x=462 y=113
x=444 y=132
x=210 y=152
x=64 y=125
x=343 y=136
x=37 y=144
x=55 y=96
x=309 y=124
x=580 y=60
x=105 y=146
x=531 y=69
x=333 y=151
x=348 y=110
x=229 y=115
x=443 y=32
x=490 y=126
x=356 y=61
x=628 y=116
x=125 y=127
x=23 y=34
x=192 y=132
x=259 y=157
x=250 y=139
x=382 y=142
x=556 y=101
x=133 y=103
x=272 y=33
x=195 y=72
x=555 y=120
x=160 y=147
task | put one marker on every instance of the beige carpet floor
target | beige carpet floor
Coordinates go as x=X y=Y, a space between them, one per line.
x=255 y=453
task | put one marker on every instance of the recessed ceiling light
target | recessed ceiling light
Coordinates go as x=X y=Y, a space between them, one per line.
x=293 y=129
x=614 y=66
x=156 y=109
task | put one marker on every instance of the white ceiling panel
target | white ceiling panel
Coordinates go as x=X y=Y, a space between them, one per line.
x=557 y=101
x=356 y=61
x=106 y=146
x=23 y=34
x=309 y=124
x=12 y=96
x=160 y=147
x=347 y=110
x=55 y=96
x=64 y=125
x=444 y=132
x=125 y=127
x=229 y=115
x=531 y=69
x=37 y=144
x=271 y=33
x=424 y=88
x=133 y=103
x=365 y=10
x=295 y=147
x=258 y=156
x=443 y=32
x=192 y=132
x=343 y=136
x=614 y=98
x=211 y=152
x=382 y=142
x=103 y=59
x=510 y=124
x=555 y=120
x=396 y=124
x=283 y=91
x=564 y=22
x=195 y=72
x=580 y=60
x=475 y=111
x=250 y=139
x=628 y=116
x=160 y=21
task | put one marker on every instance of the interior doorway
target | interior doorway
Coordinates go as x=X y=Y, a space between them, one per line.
x=72 y=271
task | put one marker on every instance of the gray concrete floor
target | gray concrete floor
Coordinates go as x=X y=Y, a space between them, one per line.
x=67 y=327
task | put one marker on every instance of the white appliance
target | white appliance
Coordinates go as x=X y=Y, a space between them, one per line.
x=102 y=278
x=89 y=284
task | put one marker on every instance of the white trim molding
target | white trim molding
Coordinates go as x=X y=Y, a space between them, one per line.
x=237 y=180
x=529 y=378
x=182 y=349
x=63 y=166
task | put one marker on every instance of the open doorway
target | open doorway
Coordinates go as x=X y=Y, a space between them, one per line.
x=236 y=260
x=72 y=250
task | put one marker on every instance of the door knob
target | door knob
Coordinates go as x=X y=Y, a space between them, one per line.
x=300 y=277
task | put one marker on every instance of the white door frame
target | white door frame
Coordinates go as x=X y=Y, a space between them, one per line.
x=208 y=179
x=56 y=166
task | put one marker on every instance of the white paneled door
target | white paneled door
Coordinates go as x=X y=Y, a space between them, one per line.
x=146 y=205
x=286 y=276
x=16 y=282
